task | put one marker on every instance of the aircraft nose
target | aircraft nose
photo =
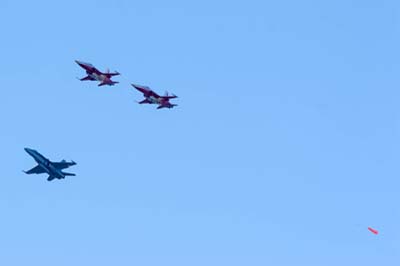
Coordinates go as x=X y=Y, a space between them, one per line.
x=30 y=151
x=82 y=64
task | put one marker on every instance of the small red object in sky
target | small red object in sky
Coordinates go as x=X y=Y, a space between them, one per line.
x=373 y=230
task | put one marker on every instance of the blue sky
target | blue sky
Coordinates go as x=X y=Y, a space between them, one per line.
x=282 y=151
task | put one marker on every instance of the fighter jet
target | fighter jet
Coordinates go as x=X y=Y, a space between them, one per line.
x=153 y=98
x=94 y=74
x=47 y=166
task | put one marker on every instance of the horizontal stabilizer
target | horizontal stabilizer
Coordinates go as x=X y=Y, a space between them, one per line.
x=110 y=83
x=63 y=164
x=69 y=174
x=109 y=75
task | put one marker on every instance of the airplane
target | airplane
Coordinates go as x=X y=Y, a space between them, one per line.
x=53 y=169
x=94 y=74
x=153 y=98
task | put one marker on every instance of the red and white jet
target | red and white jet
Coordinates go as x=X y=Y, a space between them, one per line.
x=153 y=98
x=94 y=74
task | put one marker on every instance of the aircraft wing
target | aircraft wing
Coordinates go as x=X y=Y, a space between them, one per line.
x=87 y=78
x=109 y=75
x=63 y=164
x=36 y=170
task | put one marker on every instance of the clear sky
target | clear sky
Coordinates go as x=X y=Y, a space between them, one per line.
x=283 y=150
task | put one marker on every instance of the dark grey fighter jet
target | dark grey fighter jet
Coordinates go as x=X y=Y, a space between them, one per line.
x=47 y=166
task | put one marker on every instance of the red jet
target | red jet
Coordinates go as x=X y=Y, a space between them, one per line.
x=153 y=98
x=94 y=74
x=374 y=231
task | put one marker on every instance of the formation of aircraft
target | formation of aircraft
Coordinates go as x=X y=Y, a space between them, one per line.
x=53 y=169
x=153 y=98
x=94 y=74
x=105 y=79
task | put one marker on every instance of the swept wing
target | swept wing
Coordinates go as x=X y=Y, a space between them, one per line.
x=36 y=170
